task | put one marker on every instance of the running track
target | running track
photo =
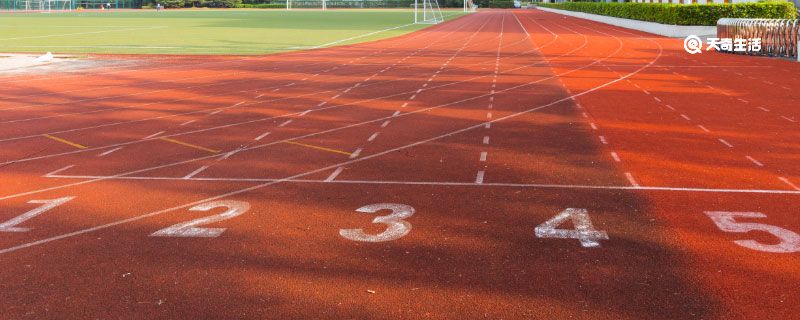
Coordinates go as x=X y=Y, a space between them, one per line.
x=487 y=126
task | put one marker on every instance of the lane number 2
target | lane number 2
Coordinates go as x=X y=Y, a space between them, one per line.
x=11 y=225
x=726 y=221
x=584 y=230
x=190 y=229
x=396 y=226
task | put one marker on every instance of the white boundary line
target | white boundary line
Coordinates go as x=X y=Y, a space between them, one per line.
x=443 y=183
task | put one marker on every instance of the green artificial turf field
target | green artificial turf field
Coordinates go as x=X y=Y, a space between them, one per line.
x=199 y=31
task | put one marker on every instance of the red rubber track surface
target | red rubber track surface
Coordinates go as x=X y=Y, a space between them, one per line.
x=488 y=126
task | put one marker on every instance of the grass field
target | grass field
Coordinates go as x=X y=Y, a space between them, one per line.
x=200 y=31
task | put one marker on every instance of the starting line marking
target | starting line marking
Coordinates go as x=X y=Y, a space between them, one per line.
x=79 y=146
x=190 y=145
x=319 y=148
x=441 y=183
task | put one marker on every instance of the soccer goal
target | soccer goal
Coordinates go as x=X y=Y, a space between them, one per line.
x=37 y=5
x=470 y=6
x=427 y=12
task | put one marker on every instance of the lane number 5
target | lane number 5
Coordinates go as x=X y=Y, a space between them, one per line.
x=726 y=221
x=397 y=227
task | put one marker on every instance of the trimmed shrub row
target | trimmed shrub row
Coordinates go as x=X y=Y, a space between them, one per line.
x=681 y=14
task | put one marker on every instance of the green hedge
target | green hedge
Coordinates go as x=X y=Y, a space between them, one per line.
x=501 y=4
x=263 y=6
x=681 y=14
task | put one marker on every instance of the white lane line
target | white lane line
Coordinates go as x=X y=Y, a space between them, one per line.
x=483 y=156
x=758 y=163
x=262 y=136
x=631 y=179
x=396 y=113
x=440 y=183
x=488 y=125
x=489 y=115
x=479 y=177
x=385 y=123
x=305 y=112
x=616 y=157
x=194 y=173
x=594 y=126
x=109 y=152
x=336 y=96
x=321 y=103
x=215 y=112
x=725 y=142
x=230 y=154
x=743 y=100
x=355 y=153
x=670 y=107
x=603 y=140
x=647 y=92
x=413 y=97
x=485 y=139
x=373 y=136
x=585 y=115
x=285 y=123
x=334 y=174
x=764 y=109
x=55 y=172
x=404 y=105
x=153 y=135
x=788 y=119
x=657 y=99
x=685 y=117
x=188 y=122
x=704 y=128
x=786 y=181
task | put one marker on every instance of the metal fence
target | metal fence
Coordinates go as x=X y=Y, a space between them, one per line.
x=779 y=37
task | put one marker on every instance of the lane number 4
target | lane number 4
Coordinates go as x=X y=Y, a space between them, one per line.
x=584 y=229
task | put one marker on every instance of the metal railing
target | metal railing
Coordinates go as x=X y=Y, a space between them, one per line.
x=779 y=37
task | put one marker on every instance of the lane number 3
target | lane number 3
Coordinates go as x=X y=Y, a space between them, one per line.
x=396 y=226
x=726 y=221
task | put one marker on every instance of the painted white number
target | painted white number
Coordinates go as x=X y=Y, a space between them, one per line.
x=584 y=230
x=397 y=227
x=10 y=225
x=726 y=221
x=188 y=229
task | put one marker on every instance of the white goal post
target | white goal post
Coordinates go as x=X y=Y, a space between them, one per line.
x=470 y=6
x=46 y=5
x=428 y=13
